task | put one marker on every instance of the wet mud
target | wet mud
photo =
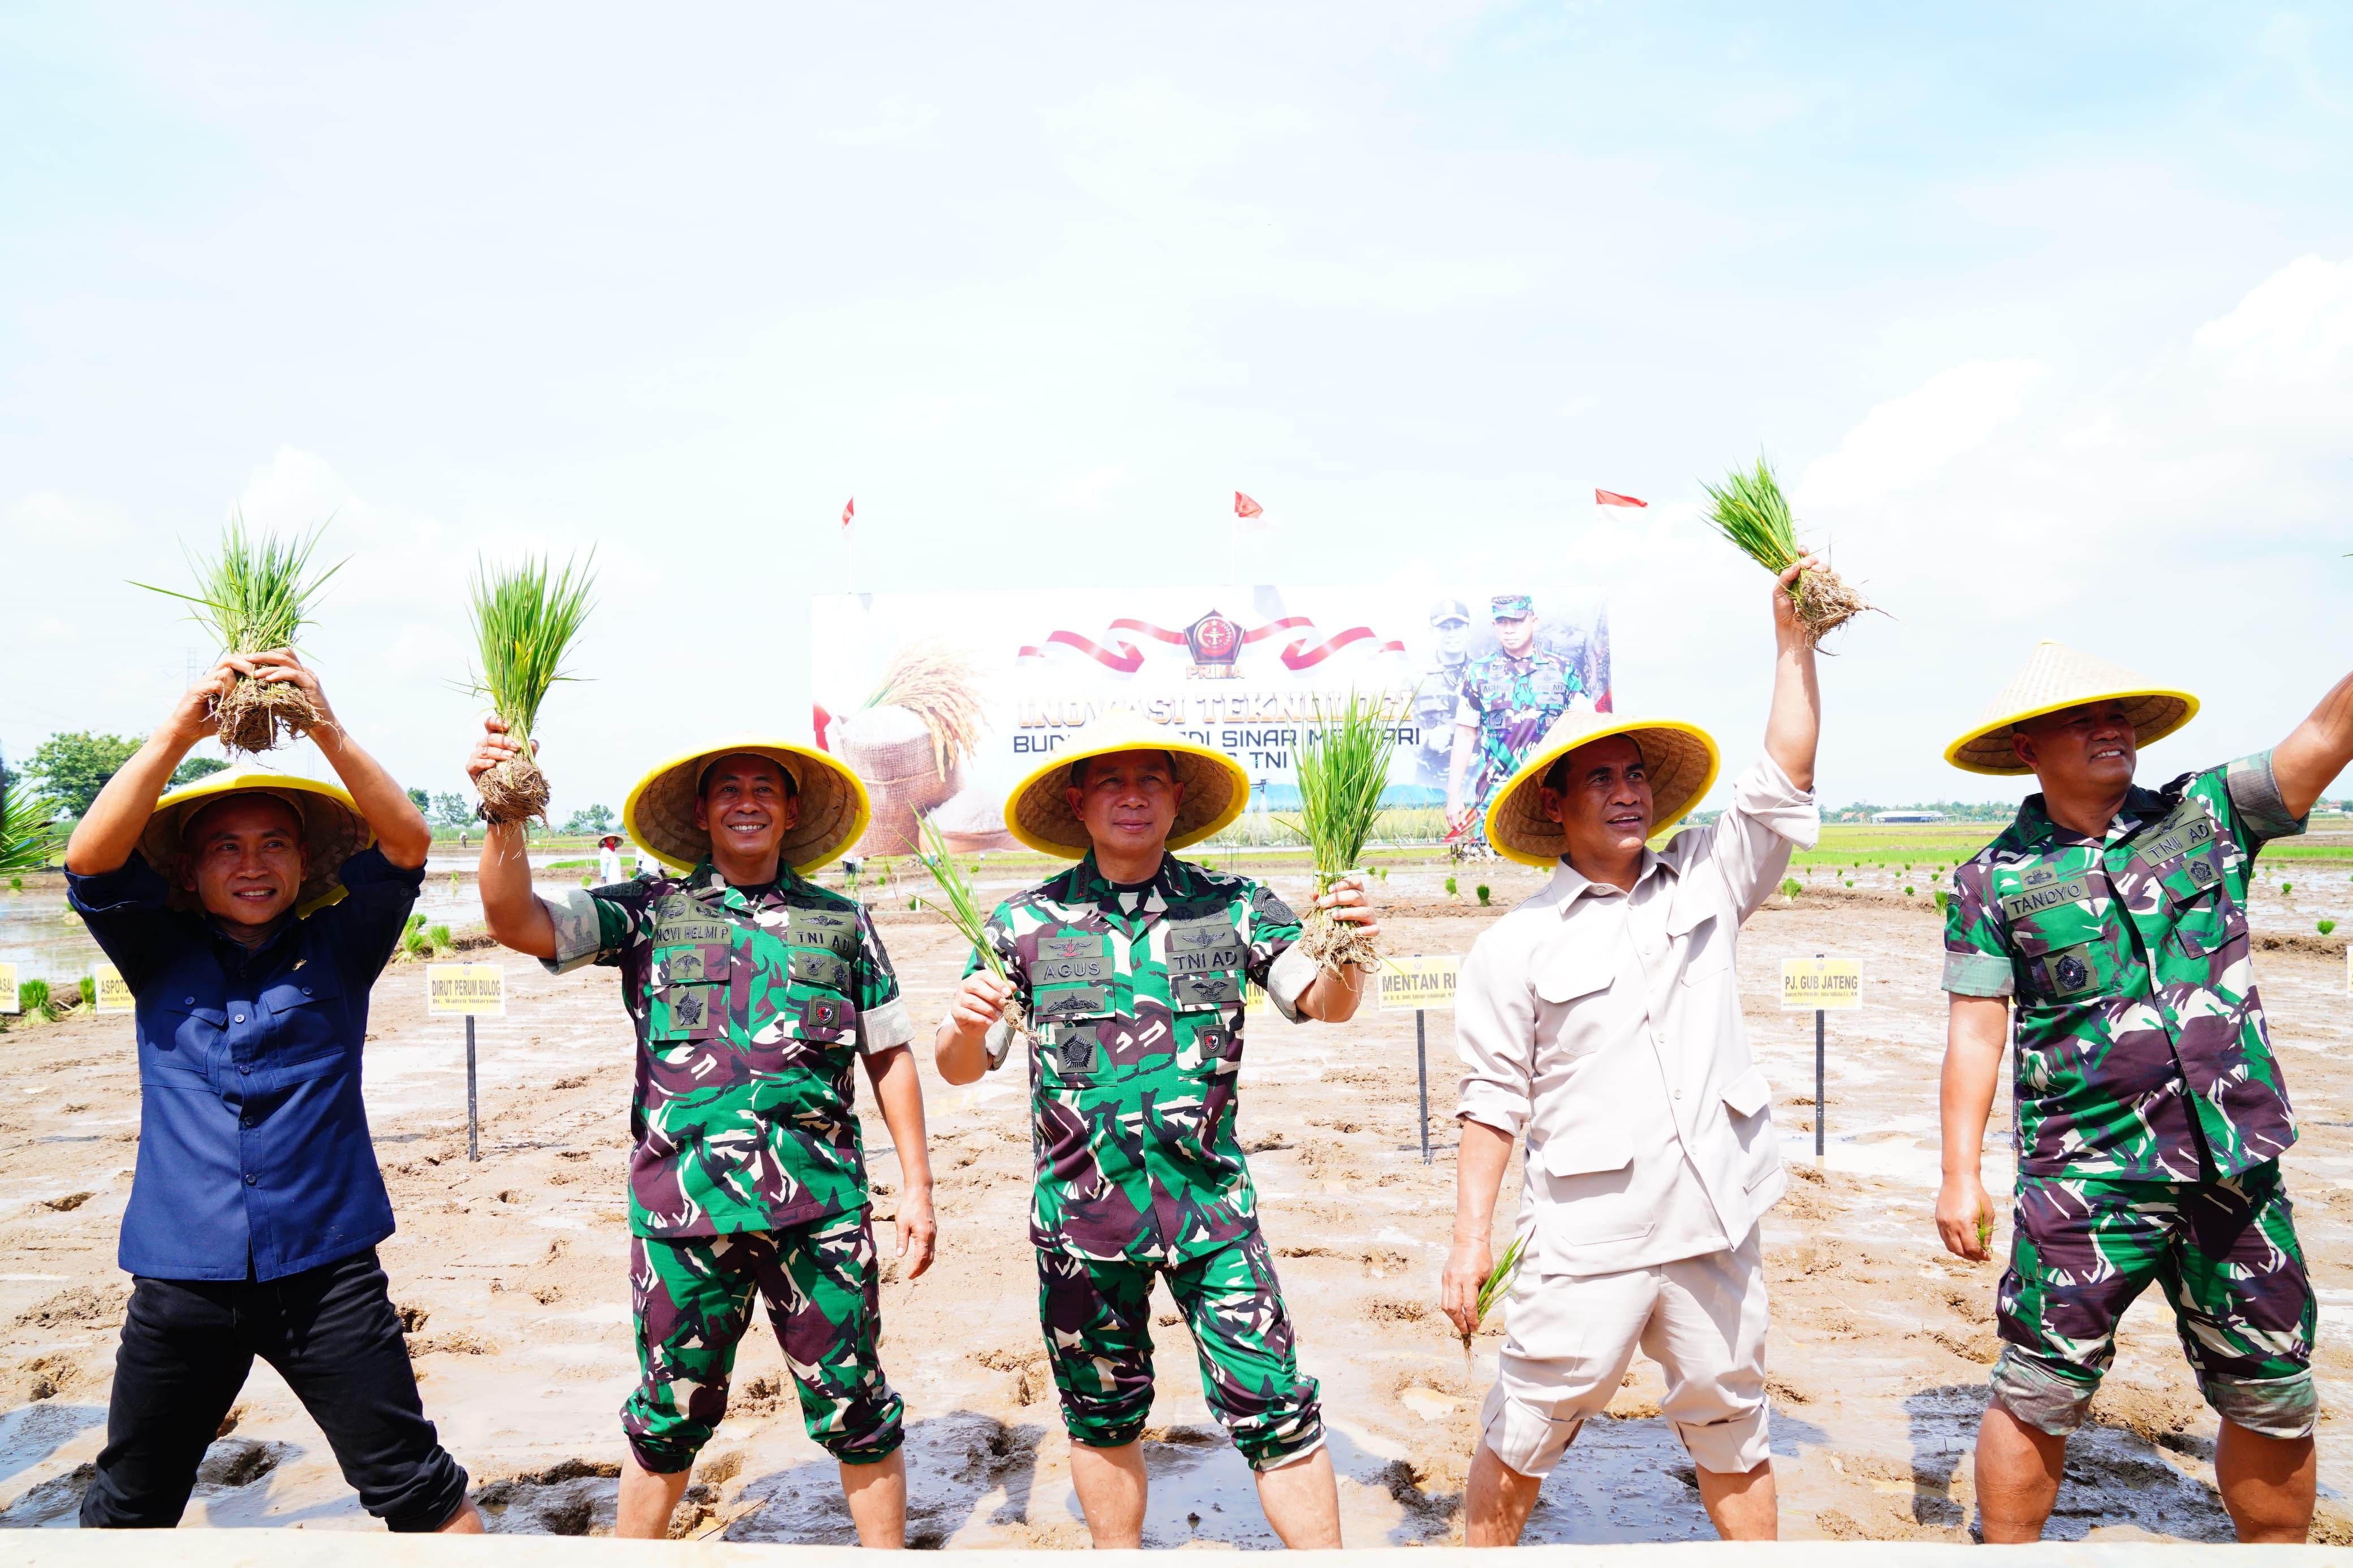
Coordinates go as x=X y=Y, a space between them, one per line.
x=511 y=1275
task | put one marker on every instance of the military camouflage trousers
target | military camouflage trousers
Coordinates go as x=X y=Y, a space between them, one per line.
x=2225 y=1252
x=694 y=1300
x=1098 y=1322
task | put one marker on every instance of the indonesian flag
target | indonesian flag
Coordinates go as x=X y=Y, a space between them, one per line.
x=848 y=511
x=1246 y=508
x=1611 y=498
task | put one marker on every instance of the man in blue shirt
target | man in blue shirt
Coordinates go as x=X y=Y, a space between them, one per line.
x=249 y=913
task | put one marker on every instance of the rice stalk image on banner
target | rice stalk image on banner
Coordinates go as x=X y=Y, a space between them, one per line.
x=963 y=909
x=1750 y=511
x=1343 y=766
x=256 y=594
x=526 y=619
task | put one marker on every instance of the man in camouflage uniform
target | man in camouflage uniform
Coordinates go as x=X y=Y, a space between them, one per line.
x=1439 y=692
x=1132 y=966
x=2151 y=1113
x=1509 y=700
x=753 y=993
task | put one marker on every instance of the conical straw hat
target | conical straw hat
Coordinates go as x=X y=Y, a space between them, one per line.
x=332 y=828
x=1680 y=758
x=660 y=812
x=1216 y=787
x=2057 y=677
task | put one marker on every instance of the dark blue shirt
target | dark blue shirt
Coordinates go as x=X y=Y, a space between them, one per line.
x=253 y=1141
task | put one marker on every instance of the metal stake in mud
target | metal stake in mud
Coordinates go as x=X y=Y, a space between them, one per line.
x=1422 y=1061
x=1820 y=985
x=469 y=989
x=473 y=1120
x=1822 y=1103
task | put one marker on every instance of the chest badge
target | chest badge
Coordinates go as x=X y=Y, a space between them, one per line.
x=2072 y=974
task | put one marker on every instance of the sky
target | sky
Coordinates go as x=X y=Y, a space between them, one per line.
x=2043 y=313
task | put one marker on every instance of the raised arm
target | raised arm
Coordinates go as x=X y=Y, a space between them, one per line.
x=2310 y=759
x=1794 y=726
x=401 y=834
x=514 y=912
x=109 y=831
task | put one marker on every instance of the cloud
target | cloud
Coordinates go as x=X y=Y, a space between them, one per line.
x=2291 y=327
x=1903 y=443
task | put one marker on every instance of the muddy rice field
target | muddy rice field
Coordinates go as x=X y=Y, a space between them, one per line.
x=512 y=1273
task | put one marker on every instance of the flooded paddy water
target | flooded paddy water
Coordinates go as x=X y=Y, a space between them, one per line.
x=514 y=1273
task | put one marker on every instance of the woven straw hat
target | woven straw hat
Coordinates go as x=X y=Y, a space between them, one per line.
x=1681 y=760
x=2057 y=677
x=660 y=812
x=332 y=828
x=1216 y=787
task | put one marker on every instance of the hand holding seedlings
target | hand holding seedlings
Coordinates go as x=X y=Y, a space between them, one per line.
x=256 y=595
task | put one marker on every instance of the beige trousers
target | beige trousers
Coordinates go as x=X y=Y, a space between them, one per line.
x=1570 y=1339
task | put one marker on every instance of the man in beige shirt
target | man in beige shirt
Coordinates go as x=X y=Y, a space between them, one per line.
x=1601 y=1019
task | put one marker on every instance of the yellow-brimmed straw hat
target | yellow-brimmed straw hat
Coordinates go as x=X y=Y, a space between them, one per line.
x=1216 y=787
x=2057 y=677
x=332 y=828
x=1680 y=758
x=660 y=812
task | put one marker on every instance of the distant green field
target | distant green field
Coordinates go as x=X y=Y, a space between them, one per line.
x=1947 y=844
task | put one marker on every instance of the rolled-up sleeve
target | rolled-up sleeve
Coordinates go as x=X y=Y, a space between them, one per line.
x=2254 y=790
x=1976 y=954
x=368 y=919
x=127 y=913
x=1769 y=817
x=580 y=930
x=1494 y=1032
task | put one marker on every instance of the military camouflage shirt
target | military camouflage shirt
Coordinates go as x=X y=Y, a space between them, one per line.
x=751 y=1006
x=2142 y=1052
x=1137 y=994
x=1513 y=701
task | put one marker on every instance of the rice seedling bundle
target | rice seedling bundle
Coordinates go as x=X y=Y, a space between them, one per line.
x=1750 y=511
x=526 y=619
x=962 y=907
x=1343 y=766
x=256 y=595
x=28 y=836
x=1497 y=1286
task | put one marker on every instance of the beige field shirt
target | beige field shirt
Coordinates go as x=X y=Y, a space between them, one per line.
x=1606 y=1026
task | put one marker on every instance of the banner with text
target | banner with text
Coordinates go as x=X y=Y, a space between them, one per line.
x=1471 y=677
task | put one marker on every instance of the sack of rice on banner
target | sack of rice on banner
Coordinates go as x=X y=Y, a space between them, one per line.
x=909 y=740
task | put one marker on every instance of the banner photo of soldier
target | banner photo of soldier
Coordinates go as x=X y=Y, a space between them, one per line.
x=940 y=726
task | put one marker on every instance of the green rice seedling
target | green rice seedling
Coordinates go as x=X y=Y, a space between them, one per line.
x=1452 y=890
x=1908 y=890
x=1484 y=892
x=440 y=935
x=1343 y=766
x=1750 y=511
x=2287 y=888
x=526 y=619
x=961 y=906
x=1497 y=1286
x=2327 y=926
x=88 y=988
x=33 y=996
x=1791 y=887
x=28 y=835
x=256 y=595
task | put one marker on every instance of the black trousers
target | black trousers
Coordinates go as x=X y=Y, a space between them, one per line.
x=331 y=1333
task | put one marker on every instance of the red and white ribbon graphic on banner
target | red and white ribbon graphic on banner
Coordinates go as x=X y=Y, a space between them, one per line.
x=1126 y=659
